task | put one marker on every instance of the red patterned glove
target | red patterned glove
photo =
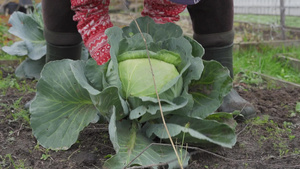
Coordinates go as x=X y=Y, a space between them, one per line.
x=93 y=20
x=162 y=11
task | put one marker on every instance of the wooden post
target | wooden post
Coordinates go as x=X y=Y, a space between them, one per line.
x=282 y=18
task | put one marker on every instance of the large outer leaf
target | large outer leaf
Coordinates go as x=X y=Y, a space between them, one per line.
x=26 y=27
x=197 y=49
x=96 y=74
x=114 y=37
x=18 y=48
x=190 y=67
x=159 y=32
x=105 y=98
x=30 y=68
x=128 y=142
x=136 y=42
x=196 y=131
x=147 y=108
x=92 y=77
x=209 y=90
x=61 y=108
x=36 y=50
x=78 y=71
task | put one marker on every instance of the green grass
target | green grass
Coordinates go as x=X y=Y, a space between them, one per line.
x=295 y=54
x=262 y=61
x=16 y=108
x=292 y=21
x=12 y=82
x=5 y=56
x=5 y=40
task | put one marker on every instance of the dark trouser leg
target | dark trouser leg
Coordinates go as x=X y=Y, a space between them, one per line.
x=213 y=29
x=60 y=31
x=62 y=37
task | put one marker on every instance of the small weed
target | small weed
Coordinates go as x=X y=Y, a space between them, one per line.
x=278 y=136
x=37 y=147
x=260 y=120
x=293 y=114
x=46 y=155
x=12 y=82
x=296 y=151
x=9 y=162
x=108 y=156
x=251 y=78
x=242 y=145
x=96 y=149
x=17 y=111
x=45 y=152
x=298 y=107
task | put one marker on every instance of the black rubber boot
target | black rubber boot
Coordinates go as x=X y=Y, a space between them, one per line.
x=60 y=31
x=58 y=52
x=233 y=101
x=213 y=28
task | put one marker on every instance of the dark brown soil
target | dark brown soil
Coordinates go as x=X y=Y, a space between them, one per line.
x=260 y=143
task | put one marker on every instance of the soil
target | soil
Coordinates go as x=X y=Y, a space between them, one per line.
x=261 y=143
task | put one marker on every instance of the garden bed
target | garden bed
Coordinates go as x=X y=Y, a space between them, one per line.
x=271 y=140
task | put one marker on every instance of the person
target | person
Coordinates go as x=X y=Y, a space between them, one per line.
x=70 y=23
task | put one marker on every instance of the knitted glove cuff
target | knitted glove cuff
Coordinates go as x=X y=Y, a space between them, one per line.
x=93 y=20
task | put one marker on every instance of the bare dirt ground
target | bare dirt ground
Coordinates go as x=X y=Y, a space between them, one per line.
x=271 y=140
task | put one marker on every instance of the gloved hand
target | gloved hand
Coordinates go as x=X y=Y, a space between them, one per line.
x=186 y=2
x=93 y=20
x=162 y=11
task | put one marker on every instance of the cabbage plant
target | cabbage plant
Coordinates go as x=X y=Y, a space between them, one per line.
x=31 y=48
x=72 y=94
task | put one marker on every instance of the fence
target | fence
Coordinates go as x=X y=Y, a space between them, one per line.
x=267 y=7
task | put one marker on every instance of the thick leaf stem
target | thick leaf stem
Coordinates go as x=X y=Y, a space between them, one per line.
x=132 y=139
x=158 y=99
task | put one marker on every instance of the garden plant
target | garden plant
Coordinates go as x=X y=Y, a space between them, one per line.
x=32 y=46
x=76 y=92
x=153 y=69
